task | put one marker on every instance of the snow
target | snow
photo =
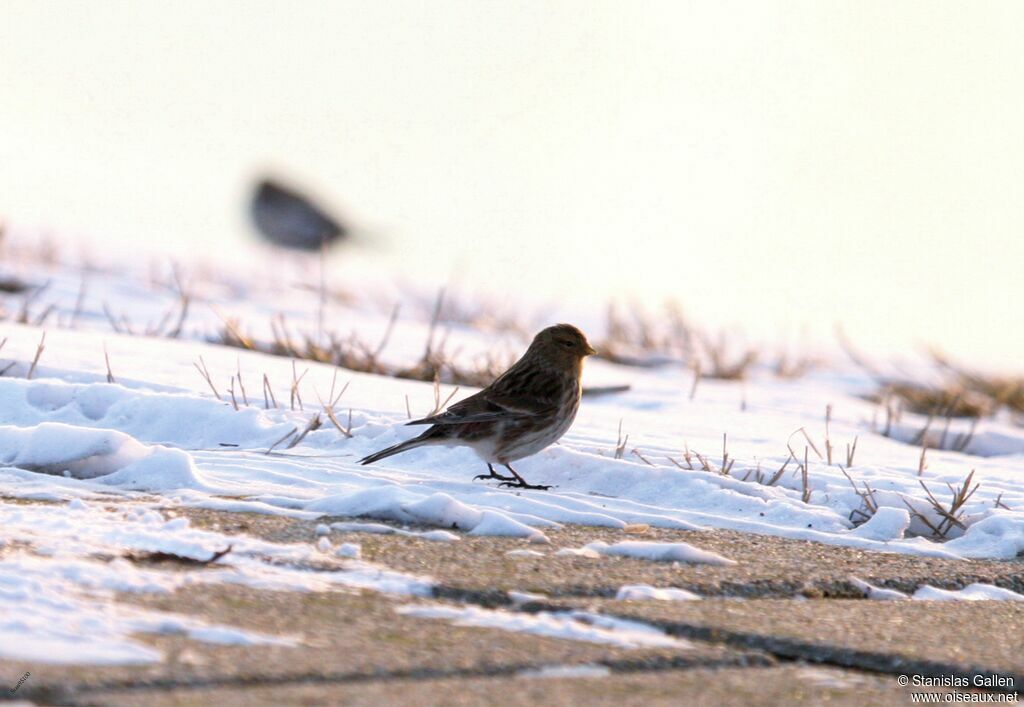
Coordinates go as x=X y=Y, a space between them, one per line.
x=380 y=529
x=50 y=612
x=227 y=636
x=524 y=553
x=586 y=552
x=972 y=592
x=660 y=552
x=885 y=525
x=570 y=625
x=587 y=670
x=879 y=593
x=105 y=459
x=128 y=436
x=55 y=448
x=57 y=600
x=999 y=535
x=642 y=592
x=353 y=550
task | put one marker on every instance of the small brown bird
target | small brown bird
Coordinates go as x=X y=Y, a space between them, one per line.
x=529 y=406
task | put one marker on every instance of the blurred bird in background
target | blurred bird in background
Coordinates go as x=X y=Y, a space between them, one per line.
x=288 y=219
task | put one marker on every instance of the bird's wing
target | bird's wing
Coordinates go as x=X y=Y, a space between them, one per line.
x=489 y=405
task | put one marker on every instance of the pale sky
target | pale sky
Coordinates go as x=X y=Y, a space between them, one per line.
x=768 y=164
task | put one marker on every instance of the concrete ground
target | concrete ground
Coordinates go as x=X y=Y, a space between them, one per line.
x=783 y=626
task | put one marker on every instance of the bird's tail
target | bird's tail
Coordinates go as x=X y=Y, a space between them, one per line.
x=395 y=449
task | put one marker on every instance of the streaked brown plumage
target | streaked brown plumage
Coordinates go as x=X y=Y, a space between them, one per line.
x=529 y=406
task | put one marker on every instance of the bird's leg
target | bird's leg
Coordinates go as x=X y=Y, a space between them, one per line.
x=519 y=482
x=494 y=475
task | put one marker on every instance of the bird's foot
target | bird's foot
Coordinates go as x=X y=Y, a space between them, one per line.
x=494 y=476
x=520 y=484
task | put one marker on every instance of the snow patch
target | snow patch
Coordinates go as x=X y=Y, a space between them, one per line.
x=643 y=592
x=438 y=509
x=998 y=536
x=926 y=592
x=58 y=602
x=352 y=550
x=524 y=553
x=659 y=552
x=587 y=552
x=380 y=529
x=586 y=670
x=872 y=592
x=62 y=612
x=81 y=453
x=972 y=592
x=885 y=525
x=573 y=625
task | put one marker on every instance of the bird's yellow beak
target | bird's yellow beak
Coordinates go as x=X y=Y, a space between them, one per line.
x=591 y=350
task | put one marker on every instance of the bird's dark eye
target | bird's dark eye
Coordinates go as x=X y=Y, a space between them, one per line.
x=567 y=344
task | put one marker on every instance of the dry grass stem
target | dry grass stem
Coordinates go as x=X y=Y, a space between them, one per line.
x=620 y=444
x=356 y=355
x=642 y=458
x=241 y=385
x=791 y=369
x=782 y=470
x=950 y=516
x=314 y=424
x=721 y=367
x=268 y=394
x=330 y=405
x=726 y=461
x=807 y=437
x=704 y=465
x=293 y=431
x=440 y=404
x=850 y=452
x=106 y=357
x=205 y=373
x=35 y=360
x=758 y=476
x=296 y=396
x=347 y=429
x=636 y=338
x=231 y=390
x=805 y=476
x=828 y=440
x=687 y=457
x=696 y=379
x=869 y=503
x=122 y=326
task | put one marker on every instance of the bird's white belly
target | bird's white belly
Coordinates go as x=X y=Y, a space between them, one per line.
x=486 y=449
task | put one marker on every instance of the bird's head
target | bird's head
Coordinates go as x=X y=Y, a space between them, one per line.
x=562 y=343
